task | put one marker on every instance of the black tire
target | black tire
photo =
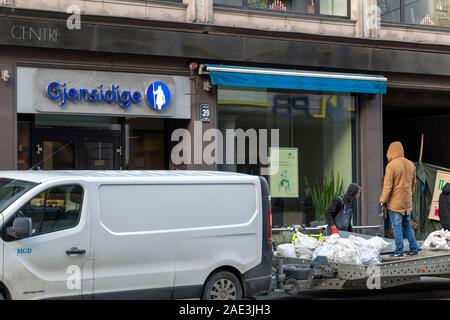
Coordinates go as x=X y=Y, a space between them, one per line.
x=222 y=285
x=2 y=297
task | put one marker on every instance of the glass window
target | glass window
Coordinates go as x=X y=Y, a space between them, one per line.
x=11 y=190
x=325 y=7
x=321 y=126
x=390 y=10
x=334 y=7
x=235 y=3
x=56 y=209
x=416 y=12
x=421 y=12
x=145 y=144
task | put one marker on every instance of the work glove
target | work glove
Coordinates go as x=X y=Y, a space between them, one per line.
x=334 y=230
x=381 y=208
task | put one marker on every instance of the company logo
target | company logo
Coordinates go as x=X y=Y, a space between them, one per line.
x=24 y=251
x=158 y=96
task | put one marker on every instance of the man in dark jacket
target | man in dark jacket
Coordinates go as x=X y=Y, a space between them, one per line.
x=444 y=207
x=339 y=214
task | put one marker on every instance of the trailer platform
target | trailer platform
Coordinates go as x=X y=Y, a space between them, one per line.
x=392 y=272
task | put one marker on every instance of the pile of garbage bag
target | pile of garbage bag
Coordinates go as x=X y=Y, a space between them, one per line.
x=352 y=250
x=437 y=240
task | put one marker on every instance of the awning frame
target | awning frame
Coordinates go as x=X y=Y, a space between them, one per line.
x=297 y=79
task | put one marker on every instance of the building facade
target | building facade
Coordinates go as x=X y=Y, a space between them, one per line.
x=110 y=92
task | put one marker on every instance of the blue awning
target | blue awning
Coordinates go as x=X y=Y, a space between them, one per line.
x=233 y=76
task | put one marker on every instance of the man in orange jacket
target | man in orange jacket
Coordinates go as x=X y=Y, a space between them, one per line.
x=398 y=188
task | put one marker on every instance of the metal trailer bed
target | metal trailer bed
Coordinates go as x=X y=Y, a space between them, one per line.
x=390 y=273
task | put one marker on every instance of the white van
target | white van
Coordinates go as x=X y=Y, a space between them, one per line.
x=134 y=235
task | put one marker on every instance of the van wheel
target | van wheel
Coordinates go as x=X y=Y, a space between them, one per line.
x=2 y=297
x=222 y=285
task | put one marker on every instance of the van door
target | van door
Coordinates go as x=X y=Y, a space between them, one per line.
x=49 y=263
x=133 y=243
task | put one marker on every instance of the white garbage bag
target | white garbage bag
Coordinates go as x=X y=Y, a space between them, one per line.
x=327 y=251
x=305 y=241
x=303 y=253
x=369 y=255
x=437 y=240
x=379 y=243
x=354 y=250
x=286 y=250
x=347 y=255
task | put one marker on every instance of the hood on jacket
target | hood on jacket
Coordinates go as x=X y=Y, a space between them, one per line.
x=352 y=191
x=395 y=151
x=446 y=189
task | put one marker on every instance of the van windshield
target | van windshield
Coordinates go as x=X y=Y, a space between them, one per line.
x=11 y=190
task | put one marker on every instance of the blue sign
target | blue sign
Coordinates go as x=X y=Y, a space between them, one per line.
x=158 y=96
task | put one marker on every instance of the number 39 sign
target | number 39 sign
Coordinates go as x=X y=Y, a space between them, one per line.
x=205 y=113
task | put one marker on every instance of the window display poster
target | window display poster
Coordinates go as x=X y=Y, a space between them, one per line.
x=283 y=180
x=442 y=178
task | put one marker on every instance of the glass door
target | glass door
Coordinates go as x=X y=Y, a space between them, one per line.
x=52 y=151
x=76 y=149
x=104 y=153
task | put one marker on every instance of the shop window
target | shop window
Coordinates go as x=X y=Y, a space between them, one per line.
x=56 y=209
x=317 y=129
x=312 y=7
x=389 y=10
x=413 y=12
x=145 y=144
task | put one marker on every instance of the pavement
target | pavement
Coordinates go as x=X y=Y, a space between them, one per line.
x=428 y=288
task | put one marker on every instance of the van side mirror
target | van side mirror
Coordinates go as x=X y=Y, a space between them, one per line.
x=21 y=228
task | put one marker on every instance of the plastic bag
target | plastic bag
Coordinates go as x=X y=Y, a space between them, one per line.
x=304 y=253
x=437 y=240
x=326 y=251
x=347 y=255
x=352 y=250
x=369 y=255
x=286 y=250
x=305 y=241
x=379 y=243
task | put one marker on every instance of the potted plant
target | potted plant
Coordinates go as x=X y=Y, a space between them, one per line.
x=323 y=194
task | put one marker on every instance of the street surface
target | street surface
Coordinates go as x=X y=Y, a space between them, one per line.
x=427 y=288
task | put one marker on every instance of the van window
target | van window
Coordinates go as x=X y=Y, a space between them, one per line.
x=146 y=208
x=55 y=209
x=11 y=190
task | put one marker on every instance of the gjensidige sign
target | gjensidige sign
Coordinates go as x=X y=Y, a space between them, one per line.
x=103 y=93
x=157 y=95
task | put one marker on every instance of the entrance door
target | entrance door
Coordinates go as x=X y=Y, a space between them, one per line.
x=101 y=153
x=76 y=149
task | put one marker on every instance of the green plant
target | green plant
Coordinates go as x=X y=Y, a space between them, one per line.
x=322 y=195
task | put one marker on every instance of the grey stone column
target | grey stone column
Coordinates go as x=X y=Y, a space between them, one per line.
x=8 y=118
x=371 y=157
